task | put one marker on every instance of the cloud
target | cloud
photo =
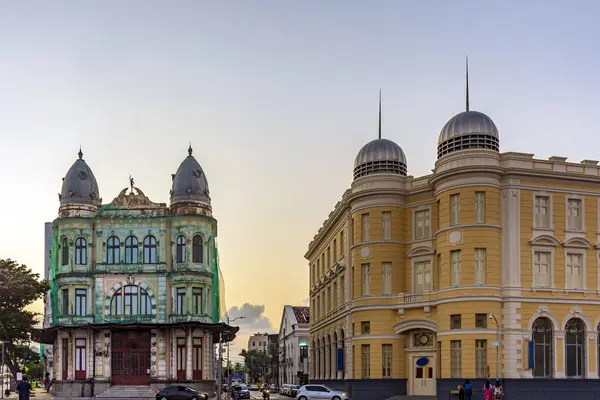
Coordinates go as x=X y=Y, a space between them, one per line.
x=254 y=321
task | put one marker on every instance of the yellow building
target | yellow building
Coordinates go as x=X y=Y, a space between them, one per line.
x=408 y=275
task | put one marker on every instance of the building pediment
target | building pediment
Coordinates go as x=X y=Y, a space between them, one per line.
x=421 y=251
x=133 y=204
x=545 y=240
x=580 y=242
x=412 y=324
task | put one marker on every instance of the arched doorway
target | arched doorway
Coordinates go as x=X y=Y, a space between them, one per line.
x=542 y=348
x=575 y=348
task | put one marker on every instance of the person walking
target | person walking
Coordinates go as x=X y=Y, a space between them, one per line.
x=498 y=391
x=487 y=390
x=468 y=388
x=24 y=388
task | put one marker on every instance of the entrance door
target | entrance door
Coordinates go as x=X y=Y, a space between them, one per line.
x=65 y=359
x=423 y=374
x=130 y=358
x=181 y=359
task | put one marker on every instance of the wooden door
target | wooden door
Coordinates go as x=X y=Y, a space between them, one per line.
x=80 y=359
x=181 y=359
x=65 y=359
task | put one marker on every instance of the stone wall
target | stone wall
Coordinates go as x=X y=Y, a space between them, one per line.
x=367 y=389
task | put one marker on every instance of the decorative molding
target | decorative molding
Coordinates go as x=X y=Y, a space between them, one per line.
x=544 y=240
x=410 y=324
x=421 y=251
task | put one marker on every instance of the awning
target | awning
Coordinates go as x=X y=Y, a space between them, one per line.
x=221 y=331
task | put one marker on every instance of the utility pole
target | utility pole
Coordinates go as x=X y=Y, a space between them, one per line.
x=497 y=344
x=229 y=345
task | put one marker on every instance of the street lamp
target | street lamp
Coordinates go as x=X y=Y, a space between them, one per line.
x=497 y=343
x=229 y=345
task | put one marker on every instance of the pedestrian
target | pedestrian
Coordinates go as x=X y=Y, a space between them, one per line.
x=468 y=388
x=24 y=388
x=498 y=391
x=487 y=390
x=461 y=392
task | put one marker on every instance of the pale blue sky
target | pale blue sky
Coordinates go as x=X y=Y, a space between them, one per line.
x=277 y=98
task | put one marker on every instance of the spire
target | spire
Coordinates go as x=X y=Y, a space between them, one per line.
x=80 y=154
x=190 y=150
x=379 y=113
x=467 y=69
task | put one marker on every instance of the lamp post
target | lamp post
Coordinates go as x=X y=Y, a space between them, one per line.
x=497 y=344
x=229 y=345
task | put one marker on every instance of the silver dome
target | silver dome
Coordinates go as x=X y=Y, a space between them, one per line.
x=468 y=130
x=79 y=185
x=380 y=156
x=189 y=182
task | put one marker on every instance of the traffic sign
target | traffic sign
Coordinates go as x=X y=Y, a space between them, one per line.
x=496 y=344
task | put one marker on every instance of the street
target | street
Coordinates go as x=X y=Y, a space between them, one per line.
x=274 y=396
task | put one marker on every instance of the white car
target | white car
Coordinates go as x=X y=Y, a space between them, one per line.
x=320 y=392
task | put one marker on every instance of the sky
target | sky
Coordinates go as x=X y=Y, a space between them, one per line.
x=276 y=97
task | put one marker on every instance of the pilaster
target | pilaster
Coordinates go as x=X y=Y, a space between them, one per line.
x=188 y=352
x=161 y=307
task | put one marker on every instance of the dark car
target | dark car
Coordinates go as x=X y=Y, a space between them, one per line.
x=177 y=392
x=294 y=390
x=240 y=392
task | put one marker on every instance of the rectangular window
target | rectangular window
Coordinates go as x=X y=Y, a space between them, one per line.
x=366 y=361
x=319 y=315
x=386 y=225
x=318 y=271
x=437 y=215
x=480 y=320
x=455 y=359
x=180 y=304
x=574 y=215
x=366 y=279
x=386 y=356
x=65 y=302
x=438 y=277
x=323 y=262
x=542 y=211
x=80 y=359
x=342 y=289
x=324 y=303
x=328 y=298
x=335 y=294
x=386 y=277
x=335 y=257
x=455 y=209
x=197 y=301
x=365 y=228
x=481 y=358
x=80 y=302
x=422 y=276
x=541 y=268
x=480 y=207
x=480 y=255
x=365 y=328
x=574 y=271
x=455 y=321
x=342 y=247
x=197 y=358
x=455 y=261
x=422 y=224
x=329 y=257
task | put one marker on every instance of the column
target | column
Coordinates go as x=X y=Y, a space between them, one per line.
x=592 y=354
x=107 y=347
x=161 y=354
x=333 y=360
x=172 y=347
x=559 y=351
x=188 y=352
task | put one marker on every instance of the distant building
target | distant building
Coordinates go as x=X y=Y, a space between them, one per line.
x=293 y=345
x=46 y=350
x=273 y=351
x=258 y=341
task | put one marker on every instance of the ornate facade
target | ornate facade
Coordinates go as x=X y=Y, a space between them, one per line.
x=134 y=296
x=293 y=345
x=409 y=275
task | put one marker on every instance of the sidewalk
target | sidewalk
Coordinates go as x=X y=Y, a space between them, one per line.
x=38 y=393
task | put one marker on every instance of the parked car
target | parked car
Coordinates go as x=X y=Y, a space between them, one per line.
x=293 y=390
x=240 y=392
x=320 y=392
x=285 y=389
x=177 y=392
x=253 y=387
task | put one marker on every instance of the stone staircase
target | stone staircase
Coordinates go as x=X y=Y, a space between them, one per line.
x=128 y=393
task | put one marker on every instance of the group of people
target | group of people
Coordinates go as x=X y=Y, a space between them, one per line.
x=490 y=392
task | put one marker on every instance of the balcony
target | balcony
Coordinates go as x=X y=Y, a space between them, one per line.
x=175 y=318
x=192 y=268
x=72 y=319
x=130 y=319
x=130 y=268
x=414 y=300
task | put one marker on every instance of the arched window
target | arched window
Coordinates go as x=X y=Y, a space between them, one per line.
x=130 y=300
x=113 y=250
x=575 y=348
x=65 y=252
x=180 y=249
x=131 y=250
x=80 y=251
x=197 y=249
x=542 y=348
x=149 y=250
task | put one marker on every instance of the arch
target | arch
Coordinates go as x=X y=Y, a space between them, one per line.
x=150 y=250
x=577 y=313
x=545 y=240
x=543 y=347
x=197 y=248
x=421 y=251
x=579 y=242
x=408 y=325
x=180 y=249
x=80 y=251
x=545 y=313
x=575 y=348
x=113 y=250
x=117 y=286
x=131 y=250
x=597 y=325
x=64 y=251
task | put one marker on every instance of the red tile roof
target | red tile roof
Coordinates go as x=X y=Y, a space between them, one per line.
x=302 y=314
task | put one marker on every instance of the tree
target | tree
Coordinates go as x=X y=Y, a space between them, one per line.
x=238 y=368
x=34 y=370
x=19 y=287
x=256 y=363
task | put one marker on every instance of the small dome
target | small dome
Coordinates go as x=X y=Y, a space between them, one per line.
x=79 y=185
x=189 y=182
x=468 y=130
x=380 y=156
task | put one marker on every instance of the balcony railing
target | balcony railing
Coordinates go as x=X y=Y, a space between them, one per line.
x=190 y=318
x=72 y=319
x=132 y=319
x=130 y=268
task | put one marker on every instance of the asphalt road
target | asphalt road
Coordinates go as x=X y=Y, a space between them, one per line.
x=258 y=396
